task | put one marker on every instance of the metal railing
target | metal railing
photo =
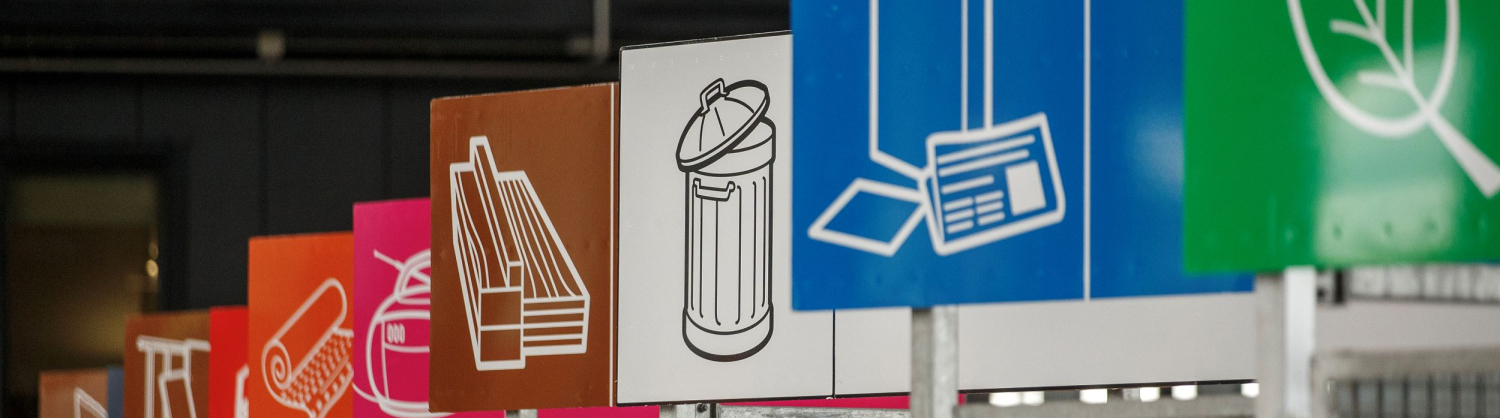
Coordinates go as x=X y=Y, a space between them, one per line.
x=1432 y=383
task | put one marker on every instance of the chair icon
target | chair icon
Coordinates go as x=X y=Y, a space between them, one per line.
x=176 y=357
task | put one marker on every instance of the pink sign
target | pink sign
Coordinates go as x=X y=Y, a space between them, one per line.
x=391 y=310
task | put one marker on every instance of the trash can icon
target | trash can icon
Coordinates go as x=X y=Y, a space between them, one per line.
x=726 y=152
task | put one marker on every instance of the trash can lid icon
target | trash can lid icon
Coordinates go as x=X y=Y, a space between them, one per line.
x=730 y=125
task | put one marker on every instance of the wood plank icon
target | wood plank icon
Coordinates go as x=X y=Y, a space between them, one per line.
x=522 y=293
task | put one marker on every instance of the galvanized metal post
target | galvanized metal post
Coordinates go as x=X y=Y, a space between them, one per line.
x=521 y=413
x=1285 y=308
x=691 y=410
x=934 y=362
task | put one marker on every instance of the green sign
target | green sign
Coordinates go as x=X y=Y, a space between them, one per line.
x=1341 y=132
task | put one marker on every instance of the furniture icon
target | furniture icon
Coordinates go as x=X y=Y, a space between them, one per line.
x=176 y=369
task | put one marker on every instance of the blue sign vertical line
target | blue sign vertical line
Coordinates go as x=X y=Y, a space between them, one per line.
x=963 y=64
x=989 y=63
x=1088 y=176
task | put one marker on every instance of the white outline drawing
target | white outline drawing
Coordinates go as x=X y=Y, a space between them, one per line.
x=83 y=402
x=156 y=384
x=512 y=261
x=241 y=402
x=322 y=374
x=726 y=153
x=412 y=292
x=1401 y=77
x=990 y=147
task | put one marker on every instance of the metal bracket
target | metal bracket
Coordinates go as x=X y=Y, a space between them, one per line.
x=691 y=410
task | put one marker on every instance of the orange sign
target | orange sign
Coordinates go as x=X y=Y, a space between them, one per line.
x=523 y=222
x=166 y=365
x=300 y=328
x=82 y=393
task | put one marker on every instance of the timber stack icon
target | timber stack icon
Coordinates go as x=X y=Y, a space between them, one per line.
x=522 y=294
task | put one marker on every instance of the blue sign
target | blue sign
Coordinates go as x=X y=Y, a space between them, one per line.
x=967 y=151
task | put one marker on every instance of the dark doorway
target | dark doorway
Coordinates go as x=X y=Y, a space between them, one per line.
x=82 y=248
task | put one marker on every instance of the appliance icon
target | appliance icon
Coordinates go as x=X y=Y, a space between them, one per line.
x=388 y=341
x=977 y=186
x=317 y=378
x=176 y=370
x=522 y=295
x=85 y=406
x=1400 y=74
x=726 y=152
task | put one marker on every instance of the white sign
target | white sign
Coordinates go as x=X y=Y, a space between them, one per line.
x=705 y=200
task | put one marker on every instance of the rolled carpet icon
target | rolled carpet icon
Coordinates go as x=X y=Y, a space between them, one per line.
x=306 y=363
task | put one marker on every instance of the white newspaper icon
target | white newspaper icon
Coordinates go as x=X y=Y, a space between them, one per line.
x=989 y=184
x=978 y=186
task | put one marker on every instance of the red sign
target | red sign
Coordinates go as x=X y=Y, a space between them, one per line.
x=228 y=368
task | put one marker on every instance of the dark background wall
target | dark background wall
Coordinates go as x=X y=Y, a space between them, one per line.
x=260 y=156
x=274 y=116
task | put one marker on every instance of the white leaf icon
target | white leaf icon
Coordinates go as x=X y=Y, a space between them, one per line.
x=1400 y=77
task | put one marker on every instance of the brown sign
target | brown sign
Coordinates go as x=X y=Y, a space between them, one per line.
x=82 y=393
x=166 y=365
x=523 y=221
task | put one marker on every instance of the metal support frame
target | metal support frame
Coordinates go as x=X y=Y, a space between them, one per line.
x=1224 y=406
x=1284 y=315
x=934 y=362
x=521 y=413
x=1351 y=365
